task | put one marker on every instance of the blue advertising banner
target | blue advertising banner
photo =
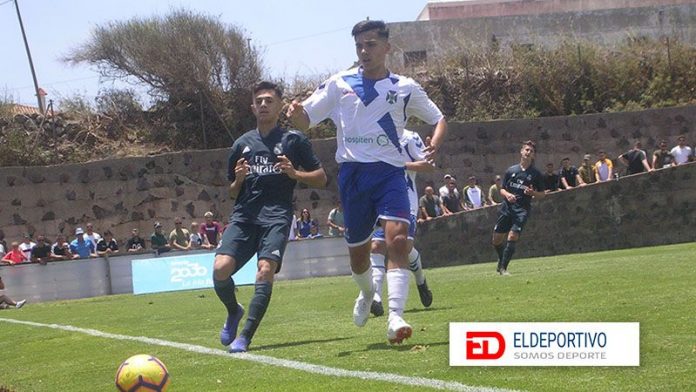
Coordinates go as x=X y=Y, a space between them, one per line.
x=186 y=272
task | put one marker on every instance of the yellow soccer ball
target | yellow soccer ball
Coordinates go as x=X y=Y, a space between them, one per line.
x=141 y=373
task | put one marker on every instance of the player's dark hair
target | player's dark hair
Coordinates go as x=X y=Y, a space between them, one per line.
x=266 y=85
x=530 y=144
x=367 y=25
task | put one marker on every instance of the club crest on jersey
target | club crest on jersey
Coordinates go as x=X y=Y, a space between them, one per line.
x=278 y=149
x=391 y=96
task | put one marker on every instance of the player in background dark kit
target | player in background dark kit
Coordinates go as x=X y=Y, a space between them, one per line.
x=521 y=183
x=263 y=171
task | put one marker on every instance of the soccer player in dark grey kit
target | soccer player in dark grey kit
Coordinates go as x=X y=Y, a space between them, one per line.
x=263 y=170
x=521 y=183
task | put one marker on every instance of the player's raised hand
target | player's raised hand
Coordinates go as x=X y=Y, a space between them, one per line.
x=297 y=115
x=242 y=168
x=286 y=166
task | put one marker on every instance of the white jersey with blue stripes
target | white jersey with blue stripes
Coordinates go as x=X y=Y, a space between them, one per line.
x=414 y=148
x=370 y=115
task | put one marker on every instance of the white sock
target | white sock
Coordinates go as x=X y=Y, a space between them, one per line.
x=378 y=271
x=397 y=288
x=414 y=264
x=364 y=282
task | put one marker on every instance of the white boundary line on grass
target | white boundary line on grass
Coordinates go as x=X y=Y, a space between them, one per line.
x=266 y=360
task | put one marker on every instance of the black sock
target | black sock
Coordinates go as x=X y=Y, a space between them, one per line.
x=507 y=253
x=499 y=249
x=257 y=308
x=225 y=291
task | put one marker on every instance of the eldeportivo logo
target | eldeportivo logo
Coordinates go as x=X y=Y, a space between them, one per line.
x=544 y=344
x=478 y=345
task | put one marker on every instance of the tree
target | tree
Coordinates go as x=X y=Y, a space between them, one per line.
x=197 y=69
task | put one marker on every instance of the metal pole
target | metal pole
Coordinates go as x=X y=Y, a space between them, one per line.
x=31 y=63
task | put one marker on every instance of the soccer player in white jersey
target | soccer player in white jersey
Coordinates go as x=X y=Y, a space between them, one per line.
x=417 y=162
x=370 y=107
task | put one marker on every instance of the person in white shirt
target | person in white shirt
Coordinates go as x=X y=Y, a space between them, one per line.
x=27 y=245
x=91 y=235
x=370 y=107
x=473 y=195
x=444 y=190
x=681 y=152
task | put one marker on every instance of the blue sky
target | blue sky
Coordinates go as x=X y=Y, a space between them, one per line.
x=296 y=37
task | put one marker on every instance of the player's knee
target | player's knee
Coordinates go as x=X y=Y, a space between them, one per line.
x=513 y=236
x=399 y=243
x=265 y=271
x=223 y=267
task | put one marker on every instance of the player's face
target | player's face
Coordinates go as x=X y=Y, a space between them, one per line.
x=527 y=152
x=372 y=53
x=267 y=106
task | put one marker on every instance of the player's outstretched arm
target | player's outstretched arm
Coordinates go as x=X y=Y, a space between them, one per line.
x=298 y=116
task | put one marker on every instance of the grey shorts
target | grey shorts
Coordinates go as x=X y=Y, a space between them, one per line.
x=242 y=240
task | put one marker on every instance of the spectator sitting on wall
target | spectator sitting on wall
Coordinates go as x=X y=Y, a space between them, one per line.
x=41 y=253
x=303 y=224
x=195 y=239
x=27 y=246
x=107 y=246
x=586 y=171
x=135 y=243
x=444 y=189
x=159 y=241
x=80 y=247
x=61 y=249
x=430 y=204
x=635 y=159
x=662 y=157
x=604 y=167
x=90 y=234
x=681 y=152
x=551 y=179
x=494 y=196
x=210 y=231
x=314 y=231
x=472 y=194
x=15 y=255
x=452 y=203
x=5 y=301
x=335 y=221
x=179 y=238
x=568 y=175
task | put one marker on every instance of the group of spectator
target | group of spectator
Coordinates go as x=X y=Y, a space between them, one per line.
x=449 y=199
x=603 y=169
x=306 y=228
x=88 y=243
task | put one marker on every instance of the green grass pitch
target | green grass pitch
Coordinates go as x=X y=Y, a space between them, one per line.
x=310 y=321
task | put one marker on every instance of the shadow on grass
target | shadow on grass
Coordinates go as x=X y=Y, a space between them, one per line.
x=391 y=347
x=299 y=343
x=430 y=309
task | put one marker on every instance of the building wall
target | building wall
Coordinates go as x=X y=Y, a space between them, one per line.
x=440 y=10
x=439 y=38
x=121 y=194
